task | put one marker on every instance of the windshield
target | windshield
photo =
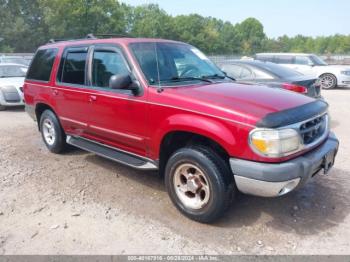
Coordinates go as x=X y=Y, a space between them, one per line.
x=318 y=60
x=13 y=71
x=16 y=60
x=277 y=70
x=176 y=63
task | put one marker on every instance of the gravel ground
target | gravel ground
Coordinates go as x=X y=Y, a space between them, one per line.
x=79 y=203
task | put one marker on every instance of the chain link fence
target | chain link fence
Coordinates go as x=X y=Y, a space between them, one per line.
x=330 y=59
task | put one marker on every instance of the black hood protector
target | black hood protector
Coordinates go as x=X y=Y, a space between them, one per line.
x=293 y=115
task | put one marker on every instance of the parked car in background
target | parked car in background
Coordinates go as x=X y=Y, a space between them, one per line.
x=330 y=76
x=16 y=59
x=11 y=84
x=162 y=105
x=272 y=75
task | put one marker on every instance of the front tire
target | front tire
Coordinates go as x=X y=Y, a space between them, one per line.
x=52 y=132
x=328 y=81
x=198 y=183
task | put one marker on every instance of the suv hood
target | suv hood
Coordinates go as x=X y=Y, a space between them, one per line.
x=332 y=68
x=340 y=67
x=241 y=102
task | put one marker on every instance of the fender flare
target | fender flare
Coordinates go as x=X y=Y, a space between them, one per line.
x=199 y=125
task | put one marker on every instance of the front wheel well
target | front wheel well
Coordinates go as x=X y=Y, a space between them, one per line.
x=173 y=141
x=323 y=74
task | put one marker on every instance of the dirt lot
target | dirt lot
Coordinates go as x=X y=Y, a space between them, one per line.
x=79 y=203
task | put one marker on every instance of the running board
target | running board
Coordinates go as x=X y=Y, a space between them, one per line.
x=112 y=153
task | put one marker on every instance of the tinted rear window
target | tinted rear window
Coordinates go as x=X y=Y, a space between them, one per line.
x=41 y=66
x=73 y=71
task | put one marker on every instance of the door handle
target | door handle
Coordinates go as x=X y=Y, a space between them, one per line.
x=92 y=98
x=55 y=92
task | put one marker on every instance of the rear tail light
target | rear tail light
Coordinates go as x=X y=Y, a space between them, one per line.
x=295 y=88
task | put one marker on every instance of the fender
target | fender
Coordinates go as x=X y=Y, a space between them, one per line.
x=204 y=126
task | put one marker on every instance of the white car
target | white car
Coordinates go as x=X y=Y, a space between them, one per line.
x=16 y=59
x=11 y=83
x=330 y=76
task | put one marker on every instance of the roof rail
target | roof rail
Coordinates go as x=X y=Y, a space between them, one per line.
x=52 y=41
x=88 y=36
x=94 y=36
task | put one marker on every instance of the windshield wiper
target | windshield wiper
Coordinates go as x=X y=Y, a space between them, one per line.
x=215 y=76
x=190 y=78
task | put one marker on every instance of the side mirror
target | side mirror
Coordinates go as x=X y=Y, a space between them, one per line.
x=123 y=81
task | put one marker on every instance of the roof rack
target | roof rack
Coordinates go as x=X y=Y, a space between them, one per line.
x=89 y=36
x=95 y=36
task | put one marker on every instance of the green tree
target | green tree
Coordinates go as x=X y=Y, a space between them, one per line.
x=21 y=24
x=150 y=21
x=74 y=18
x=252 y=36
x=26 y=24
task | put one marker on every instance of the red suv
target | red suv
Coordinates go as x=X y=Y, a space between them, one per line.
x=162 y=105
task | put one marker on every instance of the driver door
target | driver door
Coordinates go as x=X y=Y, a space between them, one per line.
x=117 y=117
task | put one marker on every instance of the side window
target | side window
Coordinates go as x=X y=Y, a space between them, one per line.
x=41 y=66
x=284 y=59
x=303 y=60
x=73 y=70
x=238 y=71
x=106 y=64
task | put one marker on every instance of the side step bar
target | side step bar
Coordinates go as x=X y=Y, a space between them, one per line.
x=112 y=153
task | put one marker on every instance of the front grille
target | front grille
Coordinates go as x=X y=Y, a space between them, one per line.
x=11 y=94
x=12 y=97
x=313 y=129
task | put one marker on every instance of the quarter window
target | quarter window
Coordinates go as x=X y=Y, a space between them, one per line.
x=73 y=71
x=106 y=64
x=259 y=74
x=41 y=66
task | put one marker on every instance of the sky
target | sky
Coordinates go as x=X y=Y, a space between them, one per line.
x=279 y=17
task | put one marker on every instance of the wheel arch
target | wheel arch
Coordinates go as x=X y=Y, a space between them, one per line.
x=40 y=107
x=186 y=130
x=328 y=73
x=331 y=74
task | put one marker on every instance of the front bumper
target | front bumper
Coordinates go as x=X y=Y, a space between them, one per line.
x=10 y=96
x=344 y=81
x=270 y=179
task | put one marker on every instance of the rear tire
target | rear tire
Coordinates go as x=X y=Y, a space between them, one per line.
x=328 y=81
x=2 y=108
x=199 y=183
x=52 y=132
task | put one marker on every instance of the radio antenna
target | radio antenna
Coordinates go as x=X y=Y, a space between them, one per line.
x=159 y=89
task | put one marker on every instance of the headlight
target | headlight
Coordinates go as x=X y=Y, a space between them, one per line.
x=347 y=73
x=274 y=142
